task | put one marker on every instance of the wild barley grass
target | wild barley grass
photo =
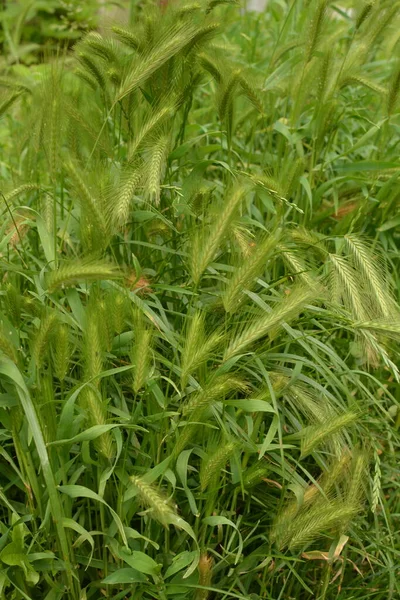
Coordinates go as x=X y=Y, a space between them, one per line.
x=199 y=305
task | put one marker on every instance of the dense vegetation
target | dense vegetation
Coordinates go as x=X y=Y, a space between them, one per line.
x=199 y=303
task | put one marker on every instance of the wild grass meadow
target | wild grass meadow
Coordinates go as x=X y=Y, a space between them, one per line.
x=199 y=300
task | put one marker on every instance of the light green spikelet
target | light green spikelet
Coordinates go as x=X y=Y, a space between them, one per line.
x=61 y=351
x=314 y=435
x=97 y=415
x=42 y=338
x=284 y=311
x=141 y=356
x=217 y=389
x=13 y=303
x=255 y=474
x=154 y=167
x=197 y=348
x=119 y=305
x=205 y=576
x=383 y=327
x=213 y=464
x=153 y=122
x=312 y=524
x=196 y=408
x=394 y=90
x=94 y=345
x=371 y=268
x=88 y=201
x=6 y=345
x=73 y=271
x=251 y=93
x=245 y=274
x=206 y=243
x=345 y=287
x=127 y=37
x=173 y=42
x=104 y=48
x=105 y=322
x=315 y=30
x=365 y=12
x=296 y=264
x=121 y=205
x=357 y=479
x=227 y=93
x=156 y=503
x=21 y=189
x=95 y=70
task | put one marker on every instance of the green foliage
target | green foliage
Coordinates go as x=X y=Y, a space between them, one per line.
x=199 y=305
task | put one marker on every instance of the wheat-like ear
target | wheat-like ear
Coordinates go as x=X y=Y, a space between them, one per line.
x=312 y=239
x=394 y=90
x=22 y=189
x=324 y=79
x=42 y=337
x=371 y=268
x=74 y=271
x=104 y=311
x=298 y=524
x=95 y=71
x=212 y=66
x=173 y=42
x=6 y=345
x=205 y=576
x=150 y=125
x=13 y=303
x=13 y=84
x=196 y=407
x=141 y=352
x=9 y=101
x=291 y=176
x=284 y=523
x=61 y=351
x=93 y=343
x=157 y=504
x=256 y=473
x=197 y=348
x=364 y=12
x=216 y=389
x=154 y=166
x=344 y=285
x=226 y=93
x=317 y=408
x=203 y=35
x=120 y=206
x=87 y=200
x=206 y=244
x=250 y=268
x=355 y=78
x=285 y=310
x=127 y=37
x=314 y=435
x=104 y=48
x=118 y=305
x=94 y=406
x=78 y=123
x=326 y=516
x=251 y=92
x=385 y=327
x=297 y=265
x=315 y=30
x=213 y=463
x=87 y=78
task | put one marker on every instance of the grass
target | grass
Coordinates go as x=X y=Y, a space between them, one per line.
x=199 y=308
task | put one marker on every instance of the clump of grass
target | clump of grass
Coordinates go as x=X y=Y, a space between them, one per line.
x=198 y=314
